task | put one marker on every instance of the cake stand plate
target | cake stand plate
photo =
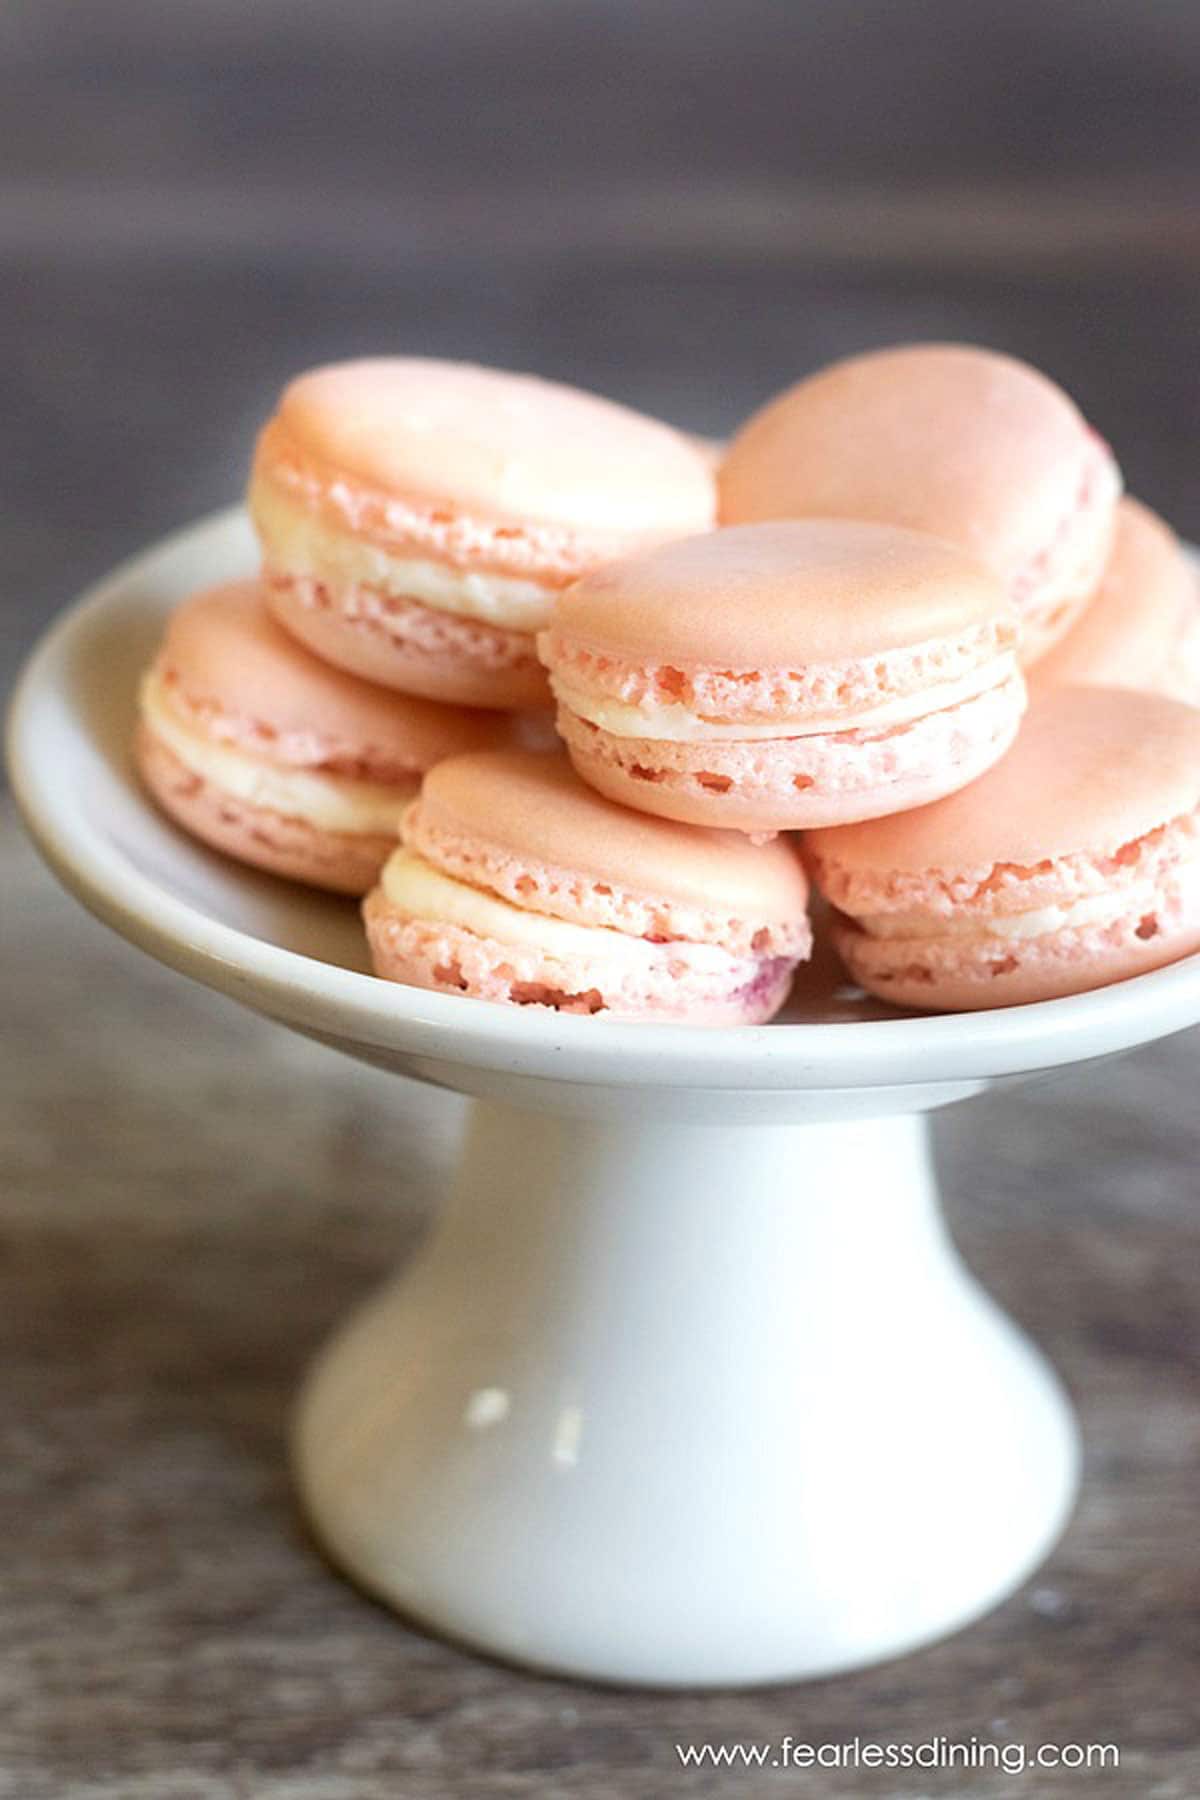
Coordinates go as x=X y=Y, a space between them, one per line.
x=688 y=1386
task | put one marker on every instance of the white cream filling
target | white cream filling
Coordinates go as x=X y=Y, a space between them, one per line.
x=330 y=802
x=416 y=888
x=678 y=724
x=1093 y=909
x=302 y=543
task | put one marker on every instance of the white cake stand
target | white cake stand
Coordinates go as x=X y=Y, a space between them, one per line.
x=689 y=1385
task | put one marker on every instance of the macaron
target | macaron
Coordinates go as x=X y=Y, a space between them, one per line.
x=254 y=745
x=965 y=443
x=772 y=677
x=1074 y=863
x=417 y=517
x=517 y=883
x=1141 y=628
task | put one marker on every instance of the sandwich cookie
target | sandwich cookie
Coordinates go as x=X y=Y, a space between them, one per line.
x=417 y=517
x=252 y=743
x=517 y=883
x=1074 y=863
x=776 y=677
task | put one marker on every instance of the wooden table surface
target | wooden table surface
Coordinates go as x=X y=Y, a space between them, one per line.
x=686 y=205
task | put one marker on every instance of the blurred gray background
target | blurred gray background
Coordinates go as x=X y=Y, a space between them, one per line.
x=686 y=205
x=683 y=203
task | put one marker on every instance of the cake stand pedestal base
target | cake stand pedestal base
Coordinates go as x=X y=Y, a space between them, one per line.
x=687 y=1405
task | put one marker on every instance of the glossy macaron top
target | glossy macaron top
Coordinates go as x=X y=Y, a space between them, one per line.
x=1093 y=770
x=777 y=595
x=497 y=446
x=1146 y=602
x=966 y=443
x=529 y=807
x=224 y=657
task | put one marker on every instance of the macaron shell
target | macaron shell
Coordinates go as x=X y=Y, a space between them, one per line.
x=414 y=649
x=533 y=807
x=1139 y=616
x=772 y=596
x=501 y=445
x=224 y=652
x=1092 y=770
x=282 y=845
x=965 y=443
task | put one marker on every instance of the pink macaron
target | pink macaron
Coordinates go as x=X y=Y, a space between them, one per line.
x=1074 y=863
x=417 y=518
x=965 y=443
x=774 y=677
x=1142 y=626
x=517 y=883
x=256 y=746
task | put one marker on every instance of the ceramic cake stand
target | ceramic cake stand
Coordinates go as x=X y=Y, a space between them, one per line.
x=688 y=1386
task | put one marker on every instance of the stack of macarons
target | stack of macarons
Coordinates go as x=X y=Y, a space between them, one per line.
x=888 y=639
